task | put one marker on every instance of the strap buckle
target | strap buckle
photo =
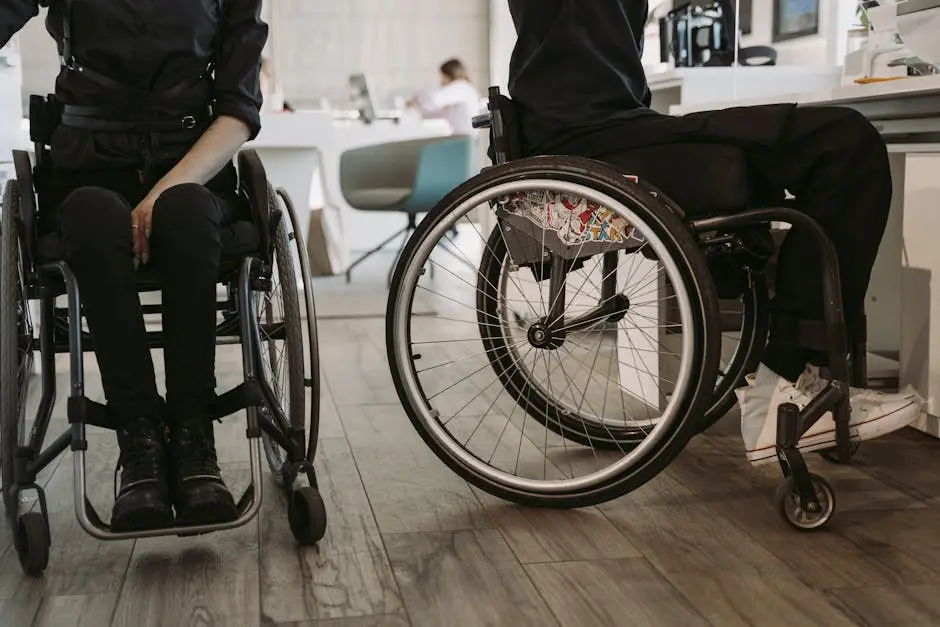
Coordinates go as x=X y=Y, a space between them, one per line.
x=188 y=122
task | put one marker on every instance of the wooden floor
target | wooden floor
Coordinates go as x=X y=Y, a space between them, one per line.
x=409 y=543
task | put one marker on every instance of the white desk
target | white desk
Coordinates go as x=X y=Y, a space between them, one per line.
x=301 y=153
x=901 y=302
x=703 y=85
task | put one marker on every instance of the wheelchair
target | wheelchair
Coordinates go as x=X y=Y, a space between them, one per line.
x=260 y=307
x=582 y=264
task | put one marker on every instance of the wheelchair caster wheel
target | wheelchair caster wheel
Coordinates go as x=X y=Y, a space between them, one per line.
x=831 y=455
x=307 y=516
x=32 y=543
x=787 y=502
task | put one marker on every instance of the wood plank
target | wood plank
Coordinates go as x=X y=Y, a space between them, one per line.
x=348 y=574
x=711 y=466
x=358 y=374
x=691 y=539
x=889 y=606
x=606 y=592
x=467 y=574
x=203 y=580
x=906 y=460
x=911 y=533
x=78 y=563
x=388 y=620
x=409 y=488
x=551 y=535
x=77 y=611
x=19 y=611
x=732 y=600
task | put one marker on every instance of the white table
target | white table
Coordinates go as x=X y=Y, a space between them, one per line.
x=901 y=303
x=697 y=86
x=301 y=152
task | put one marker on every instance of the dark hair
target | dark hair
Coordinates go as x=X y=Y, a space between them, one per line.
x=454 y=70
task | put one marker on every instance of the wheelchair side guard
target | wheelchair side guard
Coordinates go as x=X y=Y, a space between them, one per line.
x=254 y=185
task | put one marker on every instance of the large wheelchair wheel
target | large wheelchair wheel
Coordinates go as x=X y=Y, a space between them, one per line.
x=745 y=323
x=744 y=326
x=560 y=384
x=16 y=337
x=286 y=354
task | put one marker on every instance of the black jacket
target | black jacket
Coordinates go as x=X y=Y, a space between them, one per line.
x=159 y=52
x=578 y=80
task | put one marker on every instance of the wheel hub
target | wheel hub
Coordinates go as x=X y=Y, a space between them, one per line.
x=540 y=335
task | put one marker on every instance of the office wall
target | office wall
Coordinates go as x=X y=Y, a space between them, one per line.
x=317 y=44
x=39 y=58
x=825 y=48
x=399 y=45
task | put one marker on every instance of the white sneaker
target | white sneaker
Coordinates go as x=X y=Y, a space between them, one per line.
x=873 y=413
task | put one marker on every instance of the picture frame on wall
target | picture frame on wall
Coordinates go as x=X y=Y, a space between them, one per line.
x=795 y=18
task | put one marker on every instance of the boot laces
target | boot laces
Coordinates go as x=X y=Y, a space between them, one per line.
x=195 y=453
x=141 y=454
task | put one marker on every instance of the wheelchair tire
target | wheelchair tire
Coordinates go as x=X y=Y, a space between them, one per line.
x=285 y=237
x=15 y=333
x=306 y=515
x=667 y=234
x=750 y=346
x=32 y=542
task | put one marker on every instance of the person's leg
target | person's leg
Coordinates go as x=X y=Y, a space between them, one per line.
x=187 y=246
x=96 y=230
x=836 y=165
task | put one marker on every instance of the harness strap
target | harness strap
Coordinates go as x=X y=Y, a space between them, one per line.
x=78 y=117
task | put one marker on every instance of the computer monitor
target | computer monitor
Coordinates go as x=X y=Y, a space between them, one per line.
x=361 y=98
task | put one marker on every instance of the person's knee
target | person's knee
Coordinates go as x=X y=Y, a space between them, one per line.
x=857 y=128
x=187 y=215
x=92 y=216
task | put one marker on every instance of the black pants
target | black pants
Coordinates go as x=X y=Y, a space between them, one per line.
x=186 y=249
x=836 y=165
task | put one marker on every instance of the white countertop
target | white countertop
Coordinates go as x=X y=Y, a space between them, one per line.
x=887 y=90
x=665 y=76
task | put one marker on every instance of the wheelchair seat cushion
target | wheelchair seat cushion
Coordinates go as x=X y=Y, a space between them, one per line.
x=239 y=239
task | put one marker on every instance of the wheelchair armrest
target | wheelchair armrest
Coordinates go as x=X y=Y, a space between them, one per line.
x=23 y=167
x=253 y=184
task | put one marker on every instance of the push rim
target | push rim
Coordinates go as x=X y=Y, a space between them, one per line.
x=403 y=351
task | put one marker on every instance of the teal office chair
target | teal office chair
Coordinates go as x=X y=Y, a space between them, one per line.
x=407 y=177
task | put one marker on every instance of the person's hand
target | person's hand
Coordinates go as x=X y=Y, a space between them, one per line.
x=141 y=221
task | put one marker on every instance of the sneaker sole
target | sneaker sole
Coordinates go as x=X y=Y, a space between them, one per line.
x=872 y=429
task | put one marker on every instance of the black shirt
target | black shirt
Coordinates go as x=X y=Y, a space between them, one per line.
x=150 y=46
x=577 y=65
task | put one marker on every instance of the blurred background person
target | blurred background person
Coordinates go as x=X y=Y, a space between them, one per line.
x=456 y=100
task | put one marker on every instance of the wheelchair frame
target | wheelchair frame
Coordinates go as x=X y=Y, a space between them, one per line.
x=48 y=281
x=846 y=364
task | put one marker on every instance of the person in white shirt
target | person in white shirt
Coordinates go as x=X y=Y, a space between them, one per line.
x=457 y=100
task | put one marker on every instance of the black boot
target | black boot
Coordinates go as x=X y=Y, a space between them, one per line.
x=143 y=501
x=199 y=494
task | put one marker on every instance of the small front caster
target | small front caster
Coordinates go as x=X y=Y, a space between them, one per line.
x=788 y=503
x=32 y=543
x=306 y=514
